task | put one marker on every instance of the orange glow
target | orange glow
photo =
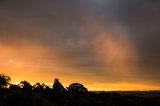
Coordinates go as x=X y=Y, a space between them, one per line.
x=117 y=53
x=28 y=62
x=122 y=87
x=38 y=63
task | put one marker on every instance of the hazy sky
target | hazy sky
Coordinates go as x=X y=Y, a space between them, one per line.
x=103 y=44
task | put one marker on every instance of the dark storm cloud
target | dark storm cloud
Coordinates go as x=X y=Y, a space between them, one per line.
x=66 y=24
x=143 y=21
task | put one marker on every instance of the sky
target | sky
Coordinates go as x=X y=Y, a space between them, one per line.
x=103 y=44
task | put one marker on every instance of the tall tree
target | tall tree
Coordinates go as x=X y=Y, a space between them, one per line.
x=58 y=90
x=57 y=86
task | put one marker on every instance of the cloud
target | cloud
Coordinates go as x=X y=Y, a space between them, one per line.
x=87 y=38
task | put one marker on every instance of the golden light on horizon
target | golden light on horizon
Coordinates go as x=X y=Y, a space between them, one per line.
x=122 y=87
x=112 y=57
x=37 y=63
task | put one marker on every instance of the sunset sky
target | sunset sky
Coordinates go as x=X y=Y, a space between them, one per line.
x=103 y=44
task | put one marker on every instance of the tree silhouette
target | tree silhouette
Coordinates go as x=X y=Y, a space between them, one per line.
x=76 y=88
x=4 y=81
x=75 y=95
x=58 y=87
x=25 y=86
x=14 y=87
x=39 y=88
x=58 y=90
x=48 y=92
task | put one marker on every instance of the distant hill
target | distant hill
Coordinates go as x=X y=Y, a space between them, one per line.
x=140 y=93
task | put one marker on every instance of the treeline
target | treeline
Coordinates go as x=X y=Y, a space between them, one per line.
x=24 y=94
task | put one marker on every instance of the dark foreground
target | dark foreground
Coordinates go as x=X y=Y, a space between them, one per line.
x=21 y=98
x=24 y=94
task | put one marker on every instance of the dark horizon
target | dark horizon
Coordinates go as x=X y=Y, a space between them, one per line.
x=76 y=94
